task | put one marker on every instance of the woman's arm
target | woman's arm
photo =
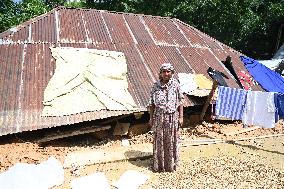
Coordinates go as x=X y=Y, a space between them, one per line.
x=151 y=112
x=180 y=114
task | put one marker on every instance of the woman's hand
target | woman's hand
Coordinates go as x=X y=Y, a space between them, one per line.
x=150 y=123
x=180 y=121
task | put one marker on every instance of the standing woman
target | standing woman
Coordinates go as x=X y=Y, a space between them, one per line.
x=166 y=114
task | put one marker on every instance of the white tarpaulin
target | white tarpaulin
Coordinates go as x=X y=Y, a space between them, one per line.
x=131 y=179
x=30 y=176
x=87 y=80
x=95 y=180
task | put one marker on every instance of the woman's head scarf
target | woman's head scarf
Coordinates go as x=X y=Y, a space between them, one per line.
x=167 y=66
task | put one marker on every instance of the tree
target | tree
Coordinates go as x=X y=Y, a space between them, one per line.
x=54 y=3
x=31 y=8
x=8 y=12
x=249 y=26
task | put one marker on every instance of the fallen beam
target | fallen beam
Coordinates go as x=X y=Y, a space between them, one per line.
x=72 y=133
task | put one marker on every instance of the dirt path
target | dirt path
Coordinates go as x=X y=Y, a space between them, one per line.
x=256 y=163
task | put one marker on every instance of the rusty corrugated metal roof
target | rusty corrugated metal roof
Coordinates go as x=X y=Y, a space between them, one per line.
x=26 y=64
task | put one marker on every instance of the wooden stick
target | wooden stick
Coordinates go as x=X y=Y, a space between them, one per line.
x=201 y=143
x=208 y=100
x=242 y=131
x=228 y=141
x=258 y=137
x=205 y=140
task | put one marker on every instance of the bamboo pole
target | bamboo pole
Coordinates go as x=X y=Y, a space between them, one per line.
x=216 y=141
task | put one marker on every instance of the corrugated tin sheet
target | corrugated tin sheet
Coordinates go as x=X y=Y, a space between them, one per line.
x=71 y=26
x=26 y=64
x=43 y=30
x=96 y=27
x=118 y=28
x=138 y=28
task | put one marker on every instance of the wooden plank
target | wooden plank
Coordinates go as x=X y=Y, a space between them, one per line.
x=72 y=133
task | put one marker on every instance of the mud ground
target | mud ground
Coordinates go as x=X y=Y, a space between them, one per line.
x=254 y=163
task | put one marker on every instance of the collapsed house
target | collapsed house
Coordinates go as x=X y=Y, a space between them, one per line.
x=27 y=63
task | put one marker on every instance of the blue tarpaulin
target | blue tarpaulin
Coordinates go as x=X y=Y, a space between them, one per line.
x=270 y=80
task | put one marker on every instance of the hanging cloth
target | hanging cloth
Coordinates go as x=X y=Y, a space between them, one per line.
x=280 y=105
x=260 y=109
x=229 y=65
x=218 y=76
x=230 y=103
x=246 y=80
x=270 y=80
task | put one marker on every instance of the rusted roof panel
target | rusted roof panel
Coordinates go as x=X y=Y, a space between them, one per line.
x=71 y=26
x=195 y=59
x=140 y=78
x=153 y=57
x=179 y=62
x=103 y=46
x=11 y=79
x=19 y=121
x=26 y=63
x=16 y=34
x=164 y=31
x=11 y=83
x=44 y=29
x=198 y=38
x=96 y=27
x=38 y=68
x=118 y=28
x=74 y=45
x=137 y=26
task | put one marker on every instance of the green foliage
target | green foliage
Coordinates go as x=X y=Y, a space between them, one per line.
x=74 y=4
x=8 y=12
x=54 y=3
x=250 y=26
x=12 y=14
x=31 y=8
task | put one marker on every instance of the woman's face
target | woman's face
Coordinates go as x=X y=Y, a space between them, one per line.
x=166 y=75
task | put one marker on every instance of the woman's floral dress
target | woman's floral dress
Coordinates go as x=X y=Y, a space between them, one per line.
x=166 y=100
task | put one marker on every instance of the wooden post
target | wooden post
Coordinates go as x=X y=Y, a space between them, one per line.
x=208 y=100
